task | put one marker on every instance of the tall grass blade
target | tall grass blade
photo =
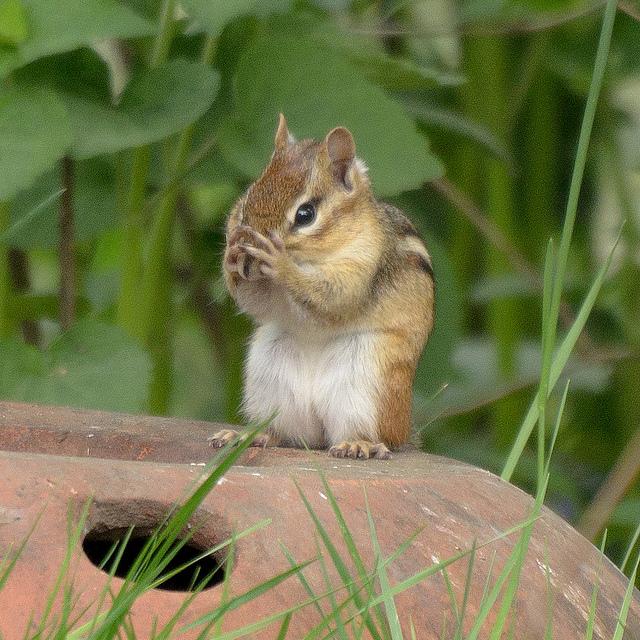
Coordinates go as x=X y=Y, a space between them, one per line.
x=246 y=597
x=594 y=594
x=11 y=557
x=465 y=597
x=629 y=551
x=284 y=628
x=337 y=560
x=556 y=428
x=626 y=603
x=567 y=232
x=559 y=362
x=391 y=610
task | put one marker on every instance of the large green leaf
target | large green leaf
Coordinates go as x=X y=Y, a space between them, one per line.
x=63 y=25
x=317 y=88
x=34 y=220
x=34 y=133
x=214 y=15
x=155 y=104
x=93 y=366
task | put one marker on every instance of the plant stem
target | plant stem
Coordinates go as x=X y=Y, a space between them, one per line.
x=66 y=247
x=128 y=308
x=157 y=284
x=567 y=230
x=5 y=277
x=162 y=43
x=581 y=158
x=489 y=107
x=128 y=313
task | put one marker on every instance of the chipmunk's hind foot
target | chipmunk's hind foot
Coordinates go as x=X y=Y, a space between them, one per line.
x=360 y=450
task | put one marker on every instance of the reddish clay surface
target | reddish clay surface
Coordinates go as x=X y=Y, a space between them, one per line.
x=454 y=503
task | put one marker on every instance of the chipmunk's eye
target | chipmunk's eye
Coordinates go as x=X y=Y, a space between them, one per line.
x=305 y=215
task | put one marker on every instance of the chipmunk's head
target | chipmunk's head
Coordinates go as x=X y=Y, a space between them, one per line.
x=310 y=193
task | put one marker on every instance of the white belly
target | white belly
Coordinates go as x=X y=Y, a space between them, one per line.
x=321 y=392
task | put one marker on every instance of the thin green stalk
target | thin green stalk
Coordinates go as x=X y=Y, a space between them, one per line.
x=162 y=42
x=581 y=160
x=559 y=362
x=490 y=107
x=128 y=313
x=630 y=547
x=567 y=231
x=157 y=284
x=594 y=593
x=5 y=277
x=626 y=603
x=547 y=352
x=520 y=553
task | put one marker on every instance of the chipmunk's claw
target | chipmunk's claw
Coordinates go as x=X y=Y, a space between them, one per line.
x=360 y=450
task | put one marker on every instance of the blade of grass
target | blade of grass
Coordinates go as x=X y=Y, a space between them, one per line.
x=423 y=574
x=465 y=596
x=452 y=597
x=548 y=635
x=334 y=611
x=348 y=538
x=594 y=594
x=556 y=428
x=567 y=232
x=74 y=533
x=247 y=596
x=337 y=560
x=303 y=581
x=513 y=583
x=548 y=340
x=284 y=627
x=392 y=618
x=11 y=557
x=557 y=366
x=226 y=587
x=626 y=603
x=629 y=551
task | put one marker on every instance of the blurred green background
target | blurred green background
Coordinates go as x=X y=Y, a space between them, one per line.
x=128 y=128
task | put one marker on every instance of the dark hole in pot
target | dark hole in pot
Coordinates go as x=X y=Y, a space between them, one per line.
x=98 y=546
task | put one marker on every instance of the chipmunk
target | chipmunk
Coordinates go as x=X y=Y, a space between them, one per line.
x=342 y=291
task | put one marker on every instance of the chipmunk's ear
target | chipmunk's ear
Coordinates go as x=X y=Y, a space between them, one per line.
x=341 y=150
x=283 y=138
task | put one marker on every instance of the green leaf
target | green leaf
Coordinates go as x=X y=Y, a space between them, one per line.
x=35 y=210
x=317 y=89
x=214 y=15
x=93 y=366
x=63 y=25
x=13 y=22
x=155 y=104
x=34 y=134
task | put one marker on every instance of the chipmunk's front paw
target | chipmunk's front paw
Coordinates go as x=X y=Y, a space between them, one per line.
x=360 y=449
x=222 y=438
x=269 y=253
x=225 y=436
